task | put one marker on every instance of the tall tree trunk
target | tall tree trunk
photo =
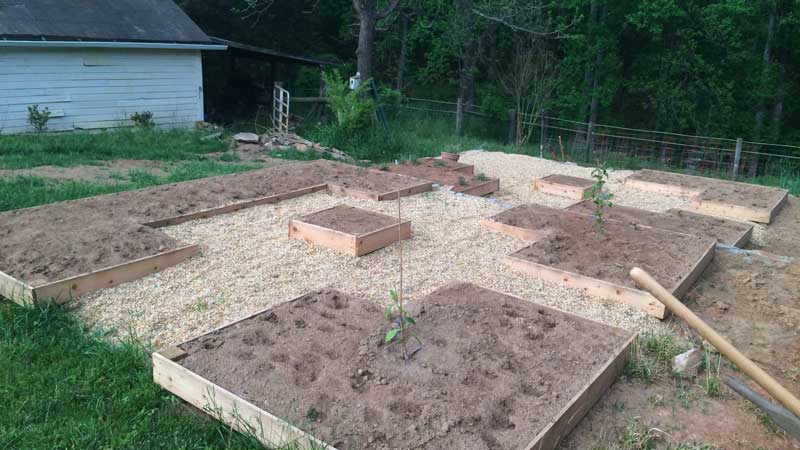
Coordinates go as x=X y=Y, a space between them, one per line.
x=469 y=55
x=368 y=17
x=591 y=78
x=401 y=61
x=766 y=60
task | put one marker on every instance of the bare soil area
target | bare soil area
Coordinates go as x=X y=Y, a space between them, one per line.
x=781 y=236
x=492 y=372
x=567 y=180
x=575 y=245
x=60 y=240
x=350 y=220
x=726 y=231
x=444 y=176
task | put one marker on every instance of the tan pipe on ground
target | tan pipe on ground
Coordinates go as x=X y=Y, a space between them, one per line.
x=775 y=389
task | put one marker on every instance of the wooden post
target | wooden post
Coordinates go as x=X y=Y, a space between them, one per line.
x=737 y=159
x=512 y=126
x=459 y=116
x=541 y=140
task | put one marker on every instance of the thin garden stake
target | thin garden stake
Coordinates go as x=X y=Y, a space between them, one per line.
x=400 y=293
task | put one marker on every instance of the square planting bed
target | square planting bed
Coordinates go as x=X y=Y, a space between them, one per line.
x=463 y=183
x=725 y=231
x=738 y=201
x=453 y=166
x=572 y=251
x=530 y=222
x=349 y=230
x=494 y=372
x=564 y=186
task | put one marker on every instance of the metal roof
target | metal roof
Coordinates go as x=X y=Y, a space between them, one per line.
x=252 y=51
x=155 y=21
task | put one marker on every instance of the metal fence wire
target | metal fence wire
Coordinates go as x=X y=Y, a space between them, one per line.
x=564 y=139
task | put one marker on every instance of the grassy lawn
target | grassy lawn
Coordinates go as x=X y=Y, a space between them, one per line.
x=63 y=387
x=24 y=151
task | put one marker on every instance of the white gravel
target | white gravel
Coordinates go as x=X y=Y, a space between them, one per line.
x=248 y=263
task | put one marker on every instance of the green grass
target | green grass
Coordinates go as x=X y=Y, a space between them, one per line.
x=64 y=387
x=637 y=436
x=71 y=149
x=652 y=355
x=27 y=191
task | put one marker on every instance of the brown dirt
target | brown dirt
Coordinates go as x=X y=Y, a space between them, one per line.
x=493 y=370
x=754 y=300
x=712 y=189
x=723 y=230
x=575 y=245
x=567 y=180
x=440 y=175
x=447 y=164
x=781 y=234
x=350 y=220
x=60 y=240
x=530 y=216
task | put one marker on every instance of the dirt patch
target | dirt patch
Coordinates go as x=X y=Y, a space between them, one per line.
x=454 y=166
x=781 y=235
x=531 y=216
x=754 y=300
x=492 y=373
x=567 y=180
x=350 y=220
x=575 y=245
x=110 y=172
x=444 y=176
x=726 y=231
x=60 y=240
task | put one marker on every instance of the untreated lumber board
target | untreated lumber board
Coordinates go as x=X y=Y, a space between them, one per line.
x=480 y=188
x=64 y=290
x=452 y=166
x=16 y=290
x=738 y=212
x=582 y=403
x=205 y=214
x=591 y=286
x=343 y=191
x=564 y=186
x=229 y=408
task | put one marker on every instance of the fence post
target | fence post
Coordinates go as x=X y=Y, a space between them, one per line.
x=541 y=140
x=459 y=116
x=737 y=158
x=512 y=126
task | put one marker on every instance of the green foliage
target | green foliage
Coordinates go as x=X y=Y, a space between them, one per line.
x=402 y=322
x=38 y=119
x=599 y=196
x=65 y=386
x=637 y=436
x=462 y=181
x=652 y=355
x=354 y=109
x=143 y=119
x=481 y=176
x=24 y=151
x=711 y=384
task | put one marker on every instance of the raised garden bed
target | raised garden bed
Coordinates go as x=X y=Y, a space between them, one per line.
x=71 y=248
x=574 y=253
x=477 y=185
x=350 y=230
x=453 y=166
x=739 y=201
x=564 y=186
x=494 y=371
x=529 y=222
x=725 y=231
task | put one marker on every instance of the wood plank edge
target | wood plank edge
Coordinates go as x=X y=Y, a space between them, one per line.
x=16 y=290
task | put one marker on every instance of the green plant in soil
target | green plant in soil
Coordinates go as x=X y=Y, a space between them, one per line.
x=439 y=163
x=38 y=118
x=481 y=177
x=599 y=197
x=462 y=181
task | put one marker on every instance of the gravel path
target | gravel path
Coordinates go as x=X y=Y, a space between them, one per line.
x=248 y=262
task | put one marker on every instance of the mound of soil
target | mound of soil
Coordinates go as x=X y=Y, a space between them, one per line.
x=492 y=372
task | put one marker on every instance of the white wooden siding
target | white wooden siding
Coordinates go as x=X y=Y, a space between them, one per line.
x=99 y=88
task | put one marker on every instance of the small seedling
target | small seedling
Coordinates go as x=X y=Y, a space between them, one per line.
x=599 y=197
x=38 y=119
x=462 y=181
x=143 y=119
x=439 y=163
x=481 y=177
x=403 y=322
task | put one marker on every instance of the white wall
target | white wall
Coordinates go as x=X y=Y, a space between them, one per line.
x=99 y=88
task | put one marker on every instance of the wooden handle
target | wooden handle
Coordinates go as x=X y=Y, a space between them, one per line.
x=775 y=389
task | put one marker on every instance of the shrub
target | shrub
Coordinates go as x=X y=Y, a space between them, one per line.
x=143 y=119
x=38 y=119
x=353 y=109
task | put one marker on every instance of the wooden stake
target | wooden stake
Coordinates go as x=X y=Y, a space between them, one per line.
x=400 y=293
x=775 y=389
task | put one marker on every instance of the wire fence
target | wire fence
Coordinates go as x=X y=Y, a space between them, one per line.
x=581 y=142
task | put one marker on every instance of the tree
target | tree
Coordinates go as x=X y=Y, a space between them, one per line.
x=368 y=16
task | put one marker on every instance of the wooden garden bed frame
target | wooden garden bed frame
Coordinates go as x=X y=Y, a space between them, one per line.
x=423 y=186
x=453 y=166
x=353 y=244
x=65 y=290
x=574 y=188
x=243 y=416
x=600 y=288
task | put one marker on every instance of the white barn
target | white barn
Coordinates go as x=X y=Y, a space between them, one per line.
x=94 y=63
